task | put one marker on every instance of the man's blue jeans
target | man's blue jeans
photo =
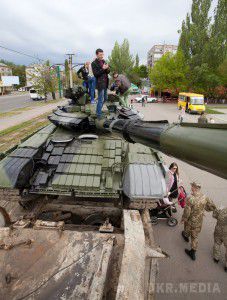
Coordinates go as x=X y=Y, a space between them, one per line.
x=91 y=87
x=102 y=97
x=85 y=84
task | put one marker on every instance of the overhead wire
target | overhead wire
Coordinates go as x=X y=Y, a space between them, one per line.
x=21 y=53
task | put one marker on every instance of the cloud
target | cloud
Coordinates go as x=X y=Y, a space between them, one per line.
x=52 y=28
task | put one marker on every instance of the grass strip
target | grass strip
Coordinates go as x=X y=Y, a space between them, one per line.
x=13 y=135
x=217 y=106
x=212 y=111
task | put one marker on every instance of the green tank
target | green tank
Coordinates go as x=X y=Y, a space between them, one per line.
x=76 y=156
x=75 y=200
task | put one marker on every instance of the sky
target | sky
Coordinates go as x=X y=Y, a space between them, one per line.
x=51 y=28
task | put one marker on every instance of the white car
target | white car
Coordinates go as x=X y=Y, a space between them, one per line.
x=35 y=95
x=149 y=99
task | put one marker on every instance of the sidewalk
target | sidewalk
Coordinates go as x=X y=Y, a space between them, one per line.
x=28 y=115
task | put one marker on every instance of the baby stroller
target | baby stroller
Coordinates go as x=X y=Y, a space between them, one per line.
x=165 y=209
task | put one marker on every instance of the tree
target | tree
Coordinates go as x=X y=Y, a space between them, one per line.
x=170 y=72
x=137 y=61
x=66 y=73
x=204 y=45
x=184 y=40
x=204 y=80
x=138 y=73
x=45 y=79
x=121 y=60
x=222 y=73
x=218 y=39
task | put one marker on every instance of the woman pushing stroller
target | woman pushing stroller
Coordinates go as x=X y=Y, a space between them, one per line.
x=172 y=182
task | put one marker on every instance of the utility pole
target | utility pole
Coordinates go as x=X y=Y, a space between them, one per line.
x=59 y=81
x=70 y=55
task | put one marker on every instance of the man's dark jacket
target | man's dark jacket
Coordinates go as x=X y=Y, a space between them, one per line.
x=102 y=80
x=83 y=71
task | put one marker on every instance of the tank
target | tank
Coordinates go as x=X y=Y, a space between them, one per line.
x=75 y=200
x=76 y=156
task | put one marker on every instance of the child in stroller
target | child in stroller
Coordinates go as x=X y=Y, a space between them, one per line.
x=164 y=209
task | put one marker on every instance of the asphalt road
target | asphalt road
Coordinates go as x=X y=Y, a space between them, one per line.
x=10 y=102
x=180 y=277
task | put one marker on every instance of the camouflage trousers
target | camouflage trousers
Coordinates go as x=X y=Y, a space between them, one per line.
x=193 y=233
x=125 y=97
x=219 y=239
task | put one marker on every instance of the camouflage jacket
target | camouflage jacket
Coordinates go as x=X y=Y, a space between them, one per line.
x=221 y=216
x=195 y=208
x=202 y=120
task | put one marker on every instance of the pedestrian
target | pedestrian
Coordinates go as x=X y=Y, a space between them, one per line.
x=202 y=118
x=172 y=180
x=192 y=218
x=123 y=88
x=181 y=115
x=91 y=83
x=100 y=70
x=220 y=234
x=144 y=101
x=82 y=73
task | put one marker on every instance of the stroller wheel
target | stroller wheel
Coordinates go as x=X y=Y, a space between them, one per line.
x=172 y=222
x=154 y=220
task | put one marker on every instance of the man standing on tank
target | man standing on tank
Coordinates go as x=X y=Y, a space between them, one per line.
x=123 y=88
x=100 y=70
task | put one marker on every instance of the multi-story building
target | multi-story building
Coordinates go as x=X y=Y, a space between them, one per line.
x=157 y=51
x=4 y=71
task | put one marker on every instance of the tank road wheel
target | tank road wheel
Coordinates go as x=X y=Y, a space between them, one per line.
x=172 y=222
x=154 y=220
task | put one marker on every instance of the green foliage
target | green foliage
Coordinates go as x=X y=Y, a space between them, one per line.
x=121 y=60
x=170 y=72
x=218 y=38
x=222 y=73
x=45 y=79
x=66 y=73
x=137 y=62
x=141 y=71
x=17 y=70
x=204 y=80
x=204 y=46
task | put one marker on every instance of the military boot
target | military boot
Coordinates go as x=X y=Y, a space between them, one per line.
x=216 y=260
x=185 y=237
x=191 y=253
x=225 y=268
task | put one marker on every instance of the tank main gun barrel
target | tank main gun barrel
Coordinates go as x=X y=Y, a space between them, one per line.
x=201 y=145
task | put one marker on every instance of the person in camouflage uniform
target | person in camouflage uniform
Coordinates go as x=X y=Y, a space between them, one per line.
x=192 y=217
x=202 y=119
x=220 y=234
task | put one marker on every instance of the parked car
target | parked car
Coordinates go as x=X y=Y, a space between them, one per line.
x=34 y=94
x=149 y=99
